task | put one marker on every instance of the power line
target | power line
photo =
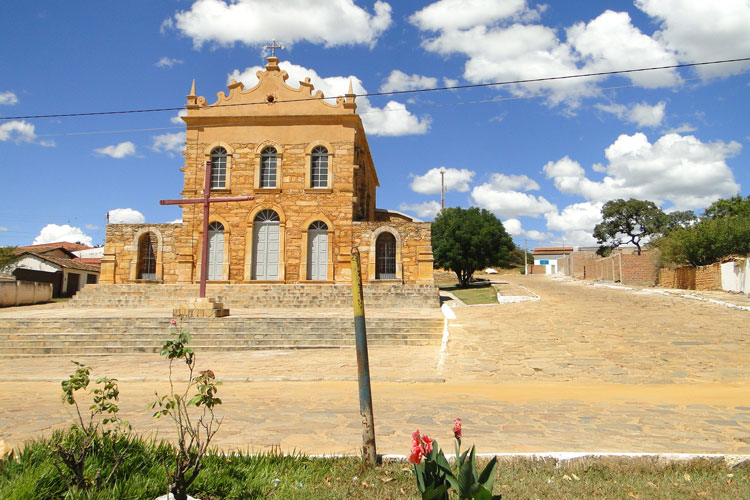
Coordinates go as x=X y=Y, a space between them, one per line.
x=395 y=92
x=384 y=110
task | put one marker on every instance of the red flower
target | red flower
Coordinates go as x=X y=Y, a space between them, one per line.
x=416 y=455
x=427 y=444
x=457 y=428
x=174 y=321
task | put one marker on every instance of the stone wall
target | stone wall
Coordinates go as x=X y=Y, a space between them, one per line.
x=121 y=251
x=692 y=278
x=17 y=293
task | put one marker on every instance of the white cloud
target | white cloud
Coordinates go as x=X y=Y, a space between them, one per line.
x=398 y=80
x=169 y=143
x=255 y=22
x=178 y=119
x=457 y=14
x=17 y=131
x=126 y=216
x=53 y=233
x=92 y=227
x=515 y=229
x=455 y=180
x=167 y=62
x=393 y=119
x=502 y=182
x=176 y=221
x=576 y=222
x=424 y=210
x=642 y=114
x=684 y=128
x=450 y=82
x=511 y=46
x=502 y=197
x=8 y=98
x=703 y=31
x=679 y=169
x=117 y=150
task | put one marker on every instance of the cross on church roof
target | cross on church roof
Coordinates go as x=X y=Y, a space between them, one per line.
x=273 y=47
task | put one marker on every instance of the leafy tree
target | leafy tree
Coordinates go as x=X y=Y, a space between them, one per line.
x=731 y=207
x=708 y=241
x=682 y=219
x=634 y=219
x=466 y=241
x=6 y=256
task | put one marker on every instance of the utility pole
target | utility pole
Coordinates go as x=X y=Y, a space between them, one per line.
x=442 y=188
x=525 y=256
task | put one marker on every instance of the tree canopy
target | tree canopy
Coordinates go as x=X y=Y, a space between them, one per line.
x=629 y=222
x=467 y=240
x=6 y=256
x=729 y=207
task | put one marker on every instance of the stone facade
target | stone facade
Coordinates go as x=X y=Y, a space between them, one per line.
x=319 y=217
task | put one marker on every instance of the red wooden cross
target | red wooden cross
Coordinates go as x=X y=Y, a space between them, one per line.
x=206 y=200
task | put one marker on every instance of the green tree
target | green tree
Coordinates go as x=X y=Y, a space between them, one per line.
x=632 y=219
x=730 y=207
x=466 y=241
x=6 y=256
x=682 y=219
x=708 y=241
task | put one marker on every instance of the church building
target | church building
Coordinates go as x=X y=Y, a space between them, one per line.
x=306 y=163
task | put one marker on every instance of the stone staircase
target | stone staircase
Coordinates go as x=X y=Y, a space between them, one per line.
x=167 y=296
x=24 y=336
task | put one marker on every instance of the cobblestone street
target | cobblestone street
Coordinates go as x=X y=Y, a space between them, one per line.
x=584 y=369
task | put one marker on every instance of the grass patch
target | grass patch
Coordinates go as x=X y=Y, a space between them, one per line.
x=476 y=293
x=142 y=475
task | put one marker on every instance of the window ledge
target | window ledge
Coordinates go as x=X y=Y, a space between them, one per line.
x=318 y=190
x=267 y=190
x=318 y=282
x=221 y=190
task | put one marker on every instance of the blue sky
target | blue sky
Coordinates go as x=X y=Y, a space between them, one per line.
x=542 y=156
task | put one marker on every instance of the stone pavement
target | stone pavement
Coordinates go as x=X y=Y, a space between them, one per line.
x=586 y=368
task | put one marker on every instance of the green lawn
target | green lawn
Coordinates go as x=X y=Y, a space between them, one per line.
x=142 y=475
x=476 y=293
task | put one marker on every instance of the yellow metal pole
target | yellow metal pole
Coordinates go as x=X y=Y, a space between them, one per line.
x=363 y=363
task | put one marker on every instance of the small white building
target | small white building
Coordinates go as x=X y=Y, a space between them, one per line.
x=546 y=258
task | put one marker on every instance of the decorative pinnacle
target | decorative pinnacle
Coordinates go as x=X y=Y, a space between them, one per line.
x=192 y=99
x=192 y=88
x=349 y=97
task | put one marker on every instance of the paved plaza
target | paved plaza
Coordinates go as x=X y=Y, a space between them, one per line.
x=584 y=369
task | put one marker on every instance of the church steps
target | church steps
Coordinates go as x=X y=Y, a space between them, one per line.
x=376 y=295
x=80 y=335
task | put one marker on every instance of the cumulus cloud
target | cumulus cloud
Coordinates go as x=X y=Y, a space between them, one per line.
x=698 y=31
x=398 y=80
x=508 y=203
x=457 y=14
x=455 y=180
x=393 y=119
x=424 y=210
x=117 y=150
x=255 y=22
x=92 y=227
x=176 y=221
x=678 y=169
x=126 y=216
x=178 y=118
x=53 y=233
x=510 y=44
x=17 y=131
x=504 y=182
x=167 y=62
x=642 y=114
x=169 y=143
x=515 y=229
x=576 y=222
x=8 y=98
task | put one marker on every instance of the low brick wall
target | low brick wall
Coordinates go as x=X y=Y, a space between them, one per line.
x=704 y=278
x=18 y=293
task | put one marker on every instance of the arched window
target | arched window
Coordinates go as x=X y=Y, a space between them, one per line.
x=319 y=168
x=385 y=257
x=218 y=168
x=147 y=257
x=215 y=251
x=268 y=168
x=317 y=251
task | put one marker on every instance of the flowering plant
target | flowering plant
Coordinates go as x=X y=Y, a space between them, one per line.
x=435 y=478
